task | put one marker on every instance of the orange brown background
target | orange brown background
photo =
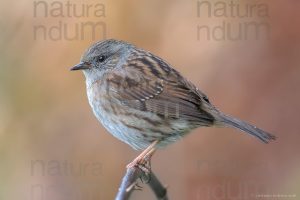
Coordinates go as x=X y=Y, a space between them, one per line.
x=44 y=112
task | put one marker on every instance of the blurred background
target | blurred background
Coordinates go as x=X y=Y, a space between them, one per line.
x=243 y=54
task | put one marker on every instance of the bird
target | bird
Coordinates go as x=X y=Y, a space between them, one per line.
x=145 y=102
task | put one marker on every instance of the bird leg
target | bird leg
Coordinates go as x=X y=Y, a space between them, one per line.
x=145 y=164
x=144 y=157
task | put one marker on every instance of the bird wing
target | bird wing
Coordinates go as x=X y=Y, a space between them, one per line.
x=148 y=83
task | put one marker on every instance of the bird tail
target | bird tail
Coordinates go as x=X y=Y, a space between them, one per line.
x=226 y=120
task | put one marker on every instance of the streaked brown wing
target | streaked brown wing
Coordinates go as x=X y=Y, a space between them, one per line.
x=151 y=85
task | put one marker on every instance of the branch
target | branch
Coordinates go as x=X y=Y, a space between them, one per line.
x=159 y=190
x=129 y=182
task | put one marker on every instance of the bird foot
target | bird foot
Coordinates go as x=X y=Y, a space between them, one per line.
x=143 y=160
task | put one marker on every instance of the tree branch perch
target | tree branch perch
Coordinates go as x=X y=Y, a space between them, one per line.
x=130 y=179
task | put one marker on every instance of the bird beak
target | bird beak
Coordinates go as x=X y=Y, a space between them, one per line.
x=81 y=66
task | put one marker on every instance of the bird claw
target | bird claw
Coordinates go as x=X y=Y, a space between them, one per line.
x=144 y=157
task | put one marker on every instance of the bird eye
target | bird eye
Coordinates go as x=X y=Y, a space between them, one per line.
x=206 y=99
x=101 y=58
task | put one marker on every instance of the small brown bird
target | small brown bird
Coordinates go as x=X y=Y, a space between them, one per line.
x=141 y=100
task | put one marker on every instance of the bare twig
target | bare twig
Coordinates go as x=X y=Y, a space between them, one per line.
x=129 y=184
x=156 y=186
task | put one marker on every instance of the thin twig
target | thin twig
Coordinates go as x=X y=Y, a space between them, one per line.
x=128 y=181
x=129 y=184
x=159 y=190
